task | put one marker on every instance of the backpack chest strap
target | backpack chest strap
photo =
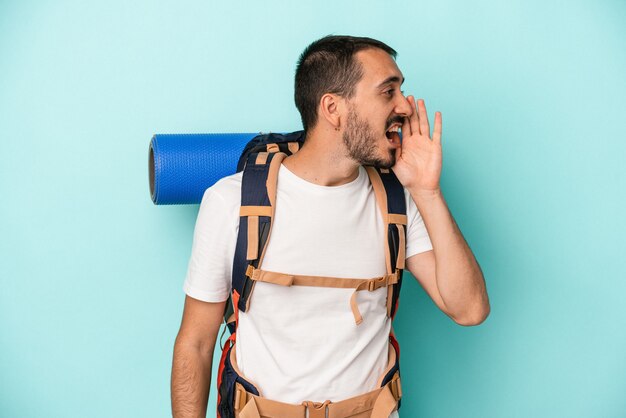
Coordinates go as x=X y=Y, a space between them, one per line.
x=370 y=285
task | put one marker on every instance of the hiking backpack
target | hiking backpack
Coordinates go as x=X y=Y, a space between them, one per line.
x=260 y=162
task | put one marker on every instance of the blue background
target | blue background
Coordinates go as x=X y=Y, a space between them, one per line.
x=533 y=101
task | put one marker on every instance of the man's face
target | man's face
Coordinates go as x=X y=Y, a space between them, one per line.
x=376 y=111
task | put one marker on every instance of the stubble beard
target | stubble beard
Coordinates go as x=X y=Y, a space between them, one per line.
x=362 y=143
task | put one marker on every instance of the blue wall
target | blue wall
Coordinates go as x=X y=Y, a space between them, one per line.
x=533 y=100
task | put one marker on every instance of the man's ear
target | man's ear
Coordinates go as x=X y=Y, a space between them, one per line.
x=331 y=109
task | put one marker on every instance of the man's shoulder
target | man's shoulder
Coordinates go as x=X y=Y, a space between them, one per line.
x=228 y=187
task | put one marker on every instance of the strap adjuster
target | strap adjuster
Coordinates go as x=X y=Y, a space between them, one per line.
x=250 y=270
x=396 y=388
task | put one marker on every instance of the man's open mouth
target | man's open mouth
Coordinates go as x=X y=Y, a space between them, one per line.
x=393 y=134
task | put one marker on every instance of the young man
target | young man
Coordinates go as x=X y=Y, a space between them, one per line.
x=302 y=343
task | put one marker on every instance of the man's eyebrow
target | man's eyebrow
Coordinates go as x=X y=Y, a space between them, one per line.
x=392 y=79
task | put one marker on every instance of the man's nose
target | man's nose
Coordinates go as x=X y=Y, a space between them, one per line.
x=403 y=107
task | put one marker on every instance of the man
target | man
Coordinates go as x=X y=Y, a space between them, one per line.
x=301 y=343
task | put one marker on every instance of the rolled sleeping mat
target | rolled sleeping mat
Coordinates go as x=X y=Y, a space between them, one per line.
x=183 y=166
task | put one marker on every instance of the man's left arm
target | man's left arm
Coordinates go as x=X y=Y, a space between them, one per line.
x=449 y=273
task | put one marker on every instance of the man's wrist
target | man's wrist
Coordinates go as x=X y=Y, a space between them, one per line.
x=425 y=194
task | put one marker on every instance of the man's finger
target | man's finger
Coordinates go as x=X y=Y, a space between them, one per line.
x=407 y=129
x=413 y=119
x=423 y=117
x=437 y=128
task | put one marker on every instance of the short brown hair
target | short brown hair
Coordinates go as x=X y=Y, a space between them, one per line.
x=328 y=66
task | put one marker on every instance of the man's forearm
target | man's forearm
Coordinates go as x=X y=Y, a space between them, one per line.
x=191 y=378
x=459 y=279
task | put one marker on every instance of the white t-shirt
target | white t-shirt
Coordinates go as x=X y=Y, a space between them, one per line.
x=302 y=343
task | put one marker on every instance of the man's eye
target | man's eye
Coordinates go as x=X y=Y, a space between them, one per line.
x=389 y=92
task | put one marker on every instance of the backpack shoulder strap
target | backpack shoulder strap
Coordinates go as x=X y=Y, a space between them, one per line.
x=392 y=204
x=258 y=199
x=256 y=213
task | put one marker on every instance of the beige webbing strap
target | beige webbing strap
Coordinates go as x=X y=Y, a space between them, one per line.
x=394 y=218
x=253 y=406
x=357 y=407
x=370 y=285
x=241 y=397
x=401 y=246
x=381 y=200
x=261 y=158
x=389 y=301
x=318 y=281
x=250 y=410
x=279 y=410
x=253 y=213
x=293 y=147
x=272 y=148
x=272 y=176
x=400 y=221
x=385 y=403
x=282 y=279
x=253 y=238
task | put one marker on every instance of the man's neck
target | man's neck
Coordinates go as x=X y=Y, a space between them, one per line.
x=323 y=160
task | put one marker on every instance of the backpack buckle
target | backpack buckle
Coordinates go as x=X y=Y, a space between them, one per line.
x=317 y=409
x=375 y=284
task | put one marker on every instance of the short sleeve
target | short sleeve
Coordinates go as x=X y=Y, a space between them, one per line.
x=214 y=240
x=417 y=239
